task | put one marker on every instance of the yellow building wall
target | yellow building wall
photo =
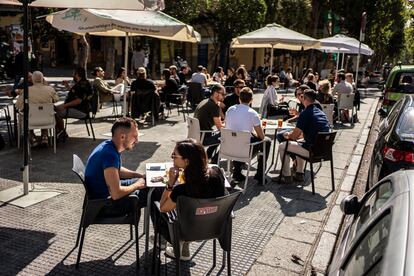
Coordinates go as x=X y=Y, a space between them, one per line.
x=9 y=20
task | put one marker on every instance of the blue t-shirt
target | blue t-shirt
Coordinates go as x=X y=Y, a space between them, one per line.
x=311 y=121
x=103 y=156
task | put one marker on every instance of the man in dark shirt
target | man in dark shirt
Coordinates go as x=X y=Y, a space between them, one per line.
x=77 y=101
x=208 y=113
x=143 y=104
x=311 y=121
x=182 y=75
x=233 y=98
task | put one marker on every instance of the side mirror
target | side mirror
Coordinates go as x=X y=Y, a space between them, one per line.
x=382 y=113
x=350 y=205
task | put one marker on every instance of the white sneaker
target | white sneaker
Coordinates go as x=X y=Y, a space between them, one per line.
x=163 y=242
x=185 y=252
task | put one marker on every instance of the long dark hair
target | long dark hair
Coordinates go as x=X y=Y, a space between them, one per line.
x=121 y=69
x=196 y=172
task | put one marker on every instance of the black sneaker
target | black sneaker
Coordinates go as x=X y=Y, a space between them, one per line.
x=300 y=177
x=239 y=177
x=283 y=179
x=259 y=179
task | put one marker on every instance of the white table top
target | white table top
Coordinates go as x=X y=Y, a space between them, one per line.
x=158 y=169
x=272 y=125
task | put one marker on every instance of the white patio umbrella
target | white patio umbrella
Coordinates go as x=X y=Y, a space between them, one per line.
x=275 y=36
x=94 y=4
x=123 y=23
x=340 y=42
x=98 y=4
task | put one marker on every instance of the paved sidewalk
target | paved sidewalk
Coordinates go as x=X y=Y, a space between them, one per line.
x=272 y=222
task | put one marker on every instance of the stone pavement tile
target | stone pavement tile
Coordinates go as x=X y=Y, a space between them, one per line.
x=298 y=229
x=304 y=208
x=341 y=196
x=259 y=269
x=326 y=171
x=334 y=221
x=344 y=148
x=323 y=252
x=278 y=253
x=348 y=183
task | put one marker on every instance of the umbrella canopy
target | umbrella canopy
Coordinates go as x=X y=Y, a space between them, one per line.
x=342 y=41
x=96 y=4
x=119 y=22
x=275 y=36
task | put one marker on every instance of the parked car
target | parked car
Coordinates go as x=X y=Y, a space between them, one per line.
x=399 y=83
x=394 y=148
x=379 y=230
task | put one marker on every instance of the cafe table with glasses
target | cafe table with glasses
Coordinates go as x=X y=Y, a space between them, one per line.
x=157 y=177
x=276 y=125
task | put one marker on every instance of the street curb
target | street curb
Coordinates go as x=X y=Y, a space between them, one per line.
x=331 y=229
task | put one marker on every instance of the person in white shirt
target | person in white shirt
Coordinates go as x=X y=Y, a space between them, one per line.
x=342 y=87
x=269 y=99
x=241 y=117
x=199 y=76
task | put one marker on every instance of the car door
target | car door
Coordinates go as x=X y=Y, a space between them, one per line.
x=361 y=253
x=384 y=131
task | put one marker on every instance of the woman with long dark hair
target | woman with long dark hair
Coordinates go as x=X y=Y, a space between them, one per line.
x=198 y=181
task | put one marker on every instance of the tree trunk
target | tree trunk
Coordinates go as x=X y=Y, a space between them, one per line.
x=110 y=56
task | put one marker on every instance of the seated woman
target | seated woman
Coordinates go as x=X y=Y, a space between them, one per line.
x=200 y=181
x=324 y=96
x=122 y=76
x=270 y=102
x=218 y=75
x=169 y=91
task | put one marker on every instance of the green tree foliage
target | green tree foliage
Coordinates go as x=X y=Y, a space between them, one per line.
x=409 y=34
x=385 y=24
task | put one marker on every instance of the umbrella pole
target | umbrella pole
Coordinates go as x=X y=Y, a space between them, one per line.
x=126 y=68
x=271 y=60
x=26 y=100
x=343 y=59
x=337 y=64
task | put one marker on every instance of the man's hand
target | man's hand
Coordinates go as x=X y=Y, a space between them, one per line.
x=140 y=184
x=60 y=107
x=286 y=135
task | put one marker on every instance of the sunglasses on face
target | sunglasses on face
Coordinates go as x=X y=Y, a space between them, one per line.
x=173 y=156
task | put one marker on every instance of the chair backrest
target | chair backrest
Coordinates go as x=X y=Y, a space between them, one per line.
x=322 y=148
x=328 y=109
x=195 y=93
x=193 y=126
x=235 y=145
x=79 y=169
x=346 y=101
x=143 y=101
x=41 y=115
x=203 y=219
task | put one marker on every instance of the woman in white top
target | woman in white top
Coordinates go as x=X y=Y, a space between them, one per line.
x=270 y=95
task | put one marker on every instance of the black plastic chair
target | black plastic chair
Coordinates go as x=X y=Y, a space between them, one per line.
x=142 y=101
x=198 y=220
x=4 y=108
x=87 y=119
x=195 y=93
x=92 y=212
x=177 y=99
x=320 y=151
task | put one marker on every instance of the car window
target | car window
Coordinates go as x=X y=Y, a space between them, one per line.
x=403 y=78
x=374 y=202
x=395 y=110
x=367 y=256
x=405 y=128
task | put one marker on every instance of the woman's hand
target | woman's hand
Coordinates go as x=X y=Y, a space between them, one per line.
x=172 y=176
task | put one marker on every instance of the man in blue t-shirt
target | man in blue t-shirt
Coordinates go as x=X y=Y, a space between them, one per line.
x=104 y=169
x=311 y=121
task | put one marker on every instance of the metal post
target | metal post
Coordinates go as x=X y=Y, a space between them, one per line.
x=25 y=99
x=126 y=68
x=343 y=59
x=271 y=60
x=361 y=38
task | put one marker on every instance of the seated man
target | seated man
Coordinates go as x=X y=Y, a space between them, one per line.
x=104 y=174
x=241 y=117
x=233 y=98
x=311 y=121
x=38 y=93
x=208 y=113
x=77 y=103
x=106 y=93
x=141 y=105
